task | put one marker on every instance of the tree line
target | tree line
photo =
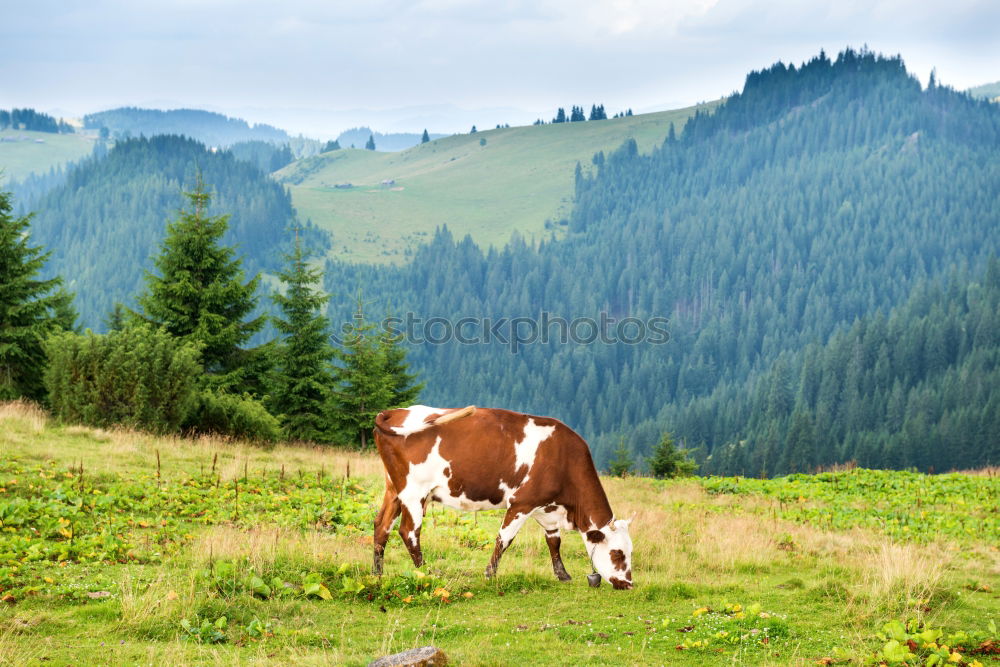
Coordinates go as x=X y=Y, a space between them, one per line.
x=183 y=360
x=35 y=121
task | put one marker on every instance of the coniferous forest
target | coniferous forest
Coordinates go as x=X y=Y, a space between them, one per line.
x=823 y=204
x=824 y=246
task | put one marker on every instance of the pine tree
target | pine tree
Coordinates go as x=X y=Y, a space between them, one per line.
x=302 y=382
x=622 y=464
x=199 y=295
x=473 y=130
x=424 y=138
x=668 y=461
x=370 y=144
x=560 y=116
x=27 y=307
x=403 y=385
x=363 y=388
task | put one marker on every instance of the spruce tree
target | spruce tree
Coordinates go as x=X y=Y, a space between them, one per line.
x=668 y=461
x=372 y=376
x=302 y=382
x=622 y=464
x=370 y=144
x=403 y=385
x=363 y=388
x=425 y=137
x=199 y=296
x=28 y=307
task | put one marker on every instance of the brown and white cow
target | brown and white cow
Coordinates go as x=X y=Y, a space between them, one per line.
x=476 y=458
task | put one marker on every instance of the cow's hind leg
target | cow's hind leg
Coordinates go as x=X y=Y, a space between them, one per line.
x=512 y=522
x=383 y=524
x=409 y=529
x=553 y=539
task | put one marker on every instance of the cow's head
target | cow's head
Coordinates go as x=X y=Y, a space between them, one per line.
x=610 y=550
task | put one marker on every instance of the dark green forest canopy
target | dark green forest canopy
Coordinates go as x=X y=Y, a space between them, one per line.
x=818 y=195
x=105 y=221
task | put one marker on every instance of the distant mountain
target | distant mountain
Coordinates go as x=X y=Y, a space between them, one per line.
x=105 y=221
x=988 y=91
x=394 y=141
x=210 y=128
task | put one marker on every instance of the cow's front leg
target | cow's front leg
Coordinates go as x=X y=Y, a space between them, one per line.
x=553 y=539
x=512 y=522
x=409 y=529
x=383 y=525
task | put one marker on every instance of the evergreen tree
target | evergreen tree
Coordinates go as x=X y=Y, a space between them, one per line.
x=332 y=145
x=560 y=116
x=116 y=320
x=363 y=388
x=302 y=382
x=473 y=130
x=199 y=295
x=622 y=464
x=28 y=307
x=668 y=461
x=370 y=145
x=403 y=384
x=424 y=138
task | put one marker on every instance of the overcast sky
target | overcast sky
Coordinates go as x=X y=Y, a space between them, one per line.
x=319 y=67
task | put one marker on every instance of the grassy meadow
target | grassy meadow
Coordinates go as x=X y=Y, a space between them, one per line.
x=37 y=152
x=488 y=184
x=122 y=548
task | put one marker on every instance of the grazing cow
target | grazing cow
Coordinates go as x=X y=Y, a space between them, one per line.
x=474 y=459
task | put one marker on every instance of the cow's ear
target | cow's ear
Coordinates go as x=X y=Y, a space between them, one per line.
x=595 y=536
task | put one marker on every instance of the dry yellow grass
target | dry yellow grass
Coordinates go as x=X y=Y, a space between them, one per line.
x=23 y=415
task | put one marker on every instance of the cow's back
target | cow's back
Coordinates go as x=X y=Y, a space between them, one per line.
x=484 y=459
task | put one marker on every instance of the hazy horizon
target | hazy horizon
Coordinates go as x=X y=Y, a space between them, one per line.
x=443 y=65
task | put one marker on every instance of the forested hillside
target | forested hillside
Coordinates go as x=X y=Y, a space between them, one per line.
x=818 y=195
x=106 y=219
x=212 y=129
x=920 y=388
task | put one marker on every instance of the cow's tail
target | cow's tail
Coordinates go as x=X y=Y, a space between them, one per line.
x=451 y=416
x=436 y=419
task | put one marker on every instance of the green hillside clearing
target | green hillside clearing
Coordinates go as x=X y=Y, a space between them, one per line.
x=23 y=153
x=518 y=180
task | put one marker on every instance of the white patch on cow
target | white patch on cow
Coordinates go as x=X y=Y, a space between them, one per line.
x=421 y=479
x=414 y=420
x=526 y=450
x=508 y=532
x=554 y=521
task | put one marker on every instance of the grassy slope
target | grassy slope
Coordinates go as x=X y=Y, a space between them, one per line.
x=522 y=177
x=820 y=589
x=20 y=158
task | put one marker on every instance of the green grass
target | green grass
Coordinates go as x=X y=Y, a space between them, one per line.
x=520 y=179
x=27 y=155
x=721 y=577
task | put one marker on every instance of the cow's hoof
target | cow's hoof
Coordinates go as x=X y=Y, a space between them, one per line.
x=564 y=576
